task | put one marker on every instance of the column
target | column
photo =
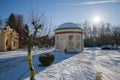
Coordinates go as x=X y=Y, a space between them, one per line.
x=66 y=41
x=75 y=41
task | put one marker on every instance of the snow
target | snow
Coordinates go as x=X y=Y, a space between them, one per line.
x=45 y=54
x=91 y=64
x=68 y=25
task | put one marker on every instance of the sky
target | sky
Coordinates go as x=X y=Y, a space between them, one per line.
x=61 y=11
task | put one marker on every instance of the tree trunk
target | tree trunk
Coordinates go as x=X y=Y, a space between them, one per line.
x=31 y=68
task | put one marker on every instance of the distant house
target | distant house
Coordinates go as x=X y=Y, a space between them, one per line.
x=69 y=38
x=9 y=39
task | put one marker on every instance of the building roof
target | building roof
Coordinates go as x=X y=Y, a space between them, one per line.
x=4 y=28
x=68 y=25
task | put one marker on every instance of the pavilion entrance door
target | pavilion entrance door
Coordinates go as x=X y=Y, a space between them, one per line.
x=71 y=43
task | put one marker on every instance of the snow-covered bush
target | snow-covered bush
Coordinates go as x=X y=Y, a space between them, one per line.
x=46 y=59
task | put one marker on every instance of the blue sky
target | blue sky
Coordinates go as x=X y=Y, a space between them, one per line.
x=60 y=11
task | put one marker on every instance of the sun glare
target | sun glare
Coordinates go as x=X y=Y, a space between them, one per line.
x=96 y=19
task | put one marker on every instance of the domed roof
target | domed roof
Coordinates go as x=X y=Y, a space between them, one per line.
x=68 y=25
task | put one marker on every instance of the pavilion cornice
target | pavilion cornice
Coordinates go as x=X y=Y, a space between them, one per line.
x=65 y=32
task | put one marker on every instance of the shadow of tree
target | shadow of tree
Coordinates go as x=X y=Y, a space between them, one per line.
x=59 y=56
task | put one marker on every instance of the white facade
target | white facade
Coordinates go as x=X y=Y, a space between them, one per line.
x=70 y=37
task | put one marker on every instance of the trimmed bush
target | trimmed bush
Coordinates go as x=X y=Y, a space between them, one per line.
x=46 y=59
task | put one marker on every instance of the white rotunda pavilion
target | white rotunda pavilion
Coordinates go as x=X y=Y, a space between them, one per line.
x=69 y=38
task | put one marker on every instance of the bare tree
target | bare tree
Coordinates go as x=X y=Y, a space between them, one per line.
x=101 y=34
x=116 y=35
x=30 y=38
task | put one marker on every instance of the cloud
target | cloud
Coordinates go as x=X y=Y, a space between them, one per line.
x=92 y=2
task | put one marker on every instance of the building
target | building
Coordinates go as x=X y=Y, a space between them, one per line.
x=9 y=39
x=69 y=37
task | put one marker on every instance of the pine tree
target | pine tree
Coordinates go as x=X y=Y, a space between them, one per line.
x=12 y=21
x=16 y=23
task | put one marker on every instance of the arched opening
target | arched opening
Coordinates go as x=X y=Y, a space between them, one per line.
x=14 y=43
x=8 y=46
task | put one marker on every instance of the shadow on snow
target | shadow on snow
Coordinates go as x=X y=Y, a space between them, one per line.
x=59 y=56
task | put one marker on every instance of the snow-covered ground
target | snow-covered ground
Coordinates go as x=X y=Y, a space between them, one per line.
x=91 y=64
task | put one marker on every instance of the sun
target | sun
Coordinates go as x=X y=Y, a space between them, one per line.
x=96 y=19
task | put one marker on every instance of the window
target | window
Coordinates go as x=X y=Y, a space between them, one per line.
x=62 y=37
x=77 y=37
x=71 y=38
x=57 y=38
x=78 y=45
x=71 y=45
x=57 y=45
x=71 y=41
